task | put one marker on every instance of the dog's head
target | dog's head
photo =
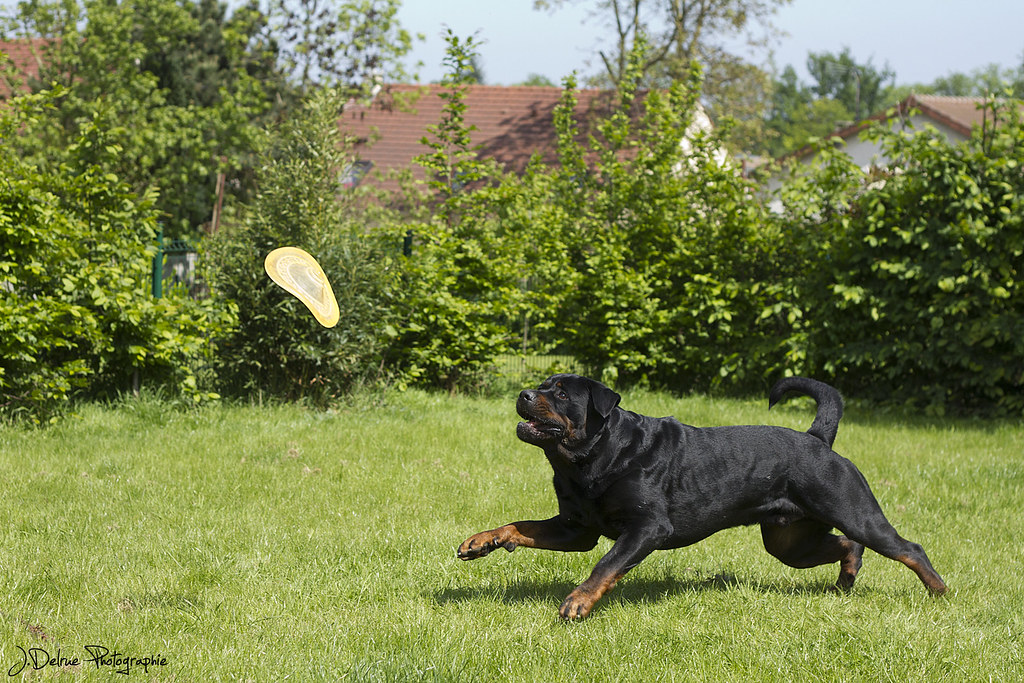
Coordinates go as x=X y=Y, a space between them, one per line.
x=564 y=409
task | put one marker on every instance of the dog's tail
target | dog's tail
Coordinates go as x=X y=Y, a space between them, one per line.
x=830 y=404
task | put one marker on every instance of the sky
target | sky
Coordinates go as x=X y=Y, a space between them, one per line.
x=921 y=40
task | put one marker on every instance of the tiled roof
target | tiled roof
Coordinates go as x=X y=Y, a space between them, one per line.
x=959 y=113
x=512 y=123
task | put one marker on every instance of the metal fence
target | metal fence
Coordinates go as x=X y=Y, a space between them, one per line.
x=532 y=369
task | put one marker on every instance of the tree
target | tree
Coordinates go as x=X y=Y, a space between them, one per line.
x=860 y=88
x=797 y=115
x=655 y=266
x=77 y=317
x=843 y=91
x=987 y=80
x=278 y=349
x=210 y=52
x=680 y=32
x=921 y=300
x=461 y=282
x=353 y=44
x=677 y=32
x=179 y=88
x=538 y=80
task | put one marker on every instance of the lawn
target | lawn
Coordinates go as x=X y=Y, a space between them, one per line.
x=279 y=543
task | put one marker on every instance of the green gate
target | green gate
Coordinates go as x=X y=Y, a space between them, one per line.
x=175 y=259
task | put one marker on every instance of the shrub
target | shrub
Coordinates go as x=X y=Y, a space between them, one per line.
x=76 y=313
x=278 y=349
x=670 y=276
x=460 y=286
x=922 y=302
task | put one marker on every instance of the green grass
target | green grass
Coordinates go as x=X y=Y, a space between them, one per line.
x=275 y=543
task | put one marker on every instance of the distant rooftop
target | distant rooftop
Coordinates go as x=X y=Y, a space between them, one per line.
x=960 y=114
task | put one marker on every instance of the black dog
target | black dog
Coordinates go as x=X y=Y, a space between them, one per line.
x=654 y=484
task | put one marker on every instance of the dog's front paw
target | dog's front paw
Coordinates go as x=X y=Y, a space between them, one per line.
x=577 y=605
x=483 y=543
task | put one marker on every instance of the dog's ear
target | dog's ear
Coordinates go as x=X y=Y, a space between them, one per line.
x=602 y=399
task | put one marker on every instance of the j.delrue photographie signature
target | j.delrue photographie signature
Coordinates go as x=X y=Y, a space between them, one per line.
x=36 y=658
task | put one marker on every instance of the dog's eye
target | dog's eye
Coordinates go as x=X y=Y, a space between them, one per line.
x=562 y=395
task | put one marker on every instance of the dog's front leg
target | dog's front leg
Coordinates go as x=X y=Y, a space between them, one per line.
x=550 y=534
x=629 y=550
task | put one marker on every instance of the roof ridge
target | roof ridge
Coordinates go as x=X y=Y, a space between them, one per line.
x=958 y=98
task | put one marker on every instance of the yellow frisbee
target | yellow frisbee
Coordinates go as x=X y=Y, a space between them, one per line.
x=301 y=276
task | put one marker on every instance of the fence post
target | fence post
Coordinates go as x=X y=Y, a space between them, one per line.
x=158 y=265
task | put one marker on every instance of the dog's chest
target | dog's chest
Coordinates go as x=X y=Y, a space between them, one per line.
x=609 y=512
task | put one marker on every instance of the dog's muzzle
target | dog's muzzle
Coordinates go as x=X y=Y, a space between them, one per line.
x=538 y=426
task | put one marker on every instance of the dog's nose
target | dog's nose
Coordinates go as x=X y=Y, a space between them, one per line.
x=527 y=395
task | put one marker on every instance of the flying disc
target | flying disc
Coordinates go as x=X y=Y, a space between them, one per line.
x=302 y=277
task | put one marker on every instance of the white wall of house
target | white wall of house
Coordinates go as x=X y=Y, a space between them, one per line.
x=867 y=153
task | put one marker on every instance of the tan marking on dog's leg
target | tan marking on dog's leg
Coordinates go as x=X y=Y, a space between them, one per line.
x=579 y=603
x=926 y=573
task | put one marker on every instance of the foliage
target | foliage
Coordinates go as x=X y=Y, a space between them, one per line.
x=665 y=258
x=860 y=88
x=538 y=80
x=640 y=253
x=76 y=313
x=173 y=83
x=452 y=164
x=460 y=283
x=353 y=45
x=842 y=91
x=278 y=349
x=921 y=301
x=797 y=116
x=982 y=82
x=680 y=32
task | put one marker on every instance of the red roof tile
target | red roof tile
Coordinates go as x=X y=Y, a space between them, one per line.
x=959 y=113
x=26 y=58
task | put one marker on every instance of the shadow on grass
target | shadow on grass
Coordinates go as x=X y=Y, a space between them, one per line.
x=639 y=589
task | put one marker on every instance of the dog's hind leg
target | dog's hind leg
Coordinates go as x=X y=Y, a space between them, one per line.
x=884 y=540
x=808 y=543
x=839 y=495
x=853 y=509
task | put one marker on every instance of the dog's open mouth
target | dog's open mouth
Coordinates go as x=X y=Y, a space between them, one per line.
x=542 y=428
x=535 y=429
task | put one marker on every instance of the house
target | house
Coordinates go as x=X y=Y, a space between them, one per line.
x=21 y=59
x=953 y=117
x=512 y=123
